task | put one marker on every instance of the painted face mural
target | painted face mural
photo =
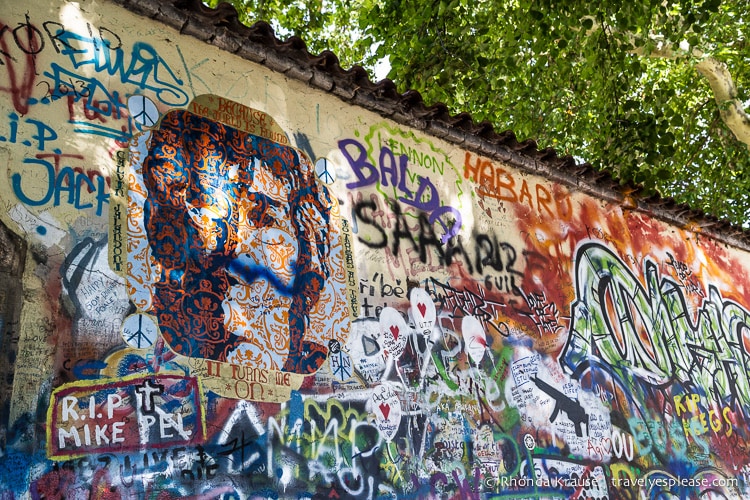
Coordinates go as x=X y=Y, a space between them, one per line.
x=241 y=240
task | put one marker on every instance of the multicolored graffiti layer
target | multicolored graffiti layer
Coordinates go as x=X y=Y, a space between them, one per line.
x=218 y=283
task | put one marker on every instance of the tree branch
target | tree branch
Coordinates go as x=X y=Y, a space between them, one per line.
x=730 y=107
x=732 y=112
x=716 y=72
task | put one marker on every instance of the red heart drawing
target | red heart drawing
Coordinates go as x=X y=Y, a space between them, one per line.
x=422 y=308
x=385 y=410
x=394 y=331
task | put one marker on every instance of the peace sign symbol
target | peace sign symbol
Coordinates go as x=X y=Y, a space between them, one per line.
x=139 y=331
x=323 y=172
x=143 y=110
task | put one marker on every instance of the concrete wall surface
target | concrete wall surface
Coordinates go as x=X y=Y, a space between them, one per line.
x=220 y=281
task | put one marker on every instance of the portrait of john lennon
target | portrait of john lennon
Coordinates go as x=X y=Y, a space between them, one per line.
x=244 y=251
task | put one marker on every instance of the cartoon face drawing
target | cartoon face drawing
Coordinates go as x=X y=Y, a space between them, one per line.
x=243 y=244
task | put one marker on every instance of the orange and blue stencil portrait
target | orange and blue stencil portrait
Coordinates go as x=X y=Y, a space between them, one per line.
x=233 y=246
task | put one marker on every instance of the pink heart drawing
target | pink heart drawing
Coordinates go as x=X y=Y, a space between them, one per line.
x=394 y=331
x=385 y=410
x=422 y=308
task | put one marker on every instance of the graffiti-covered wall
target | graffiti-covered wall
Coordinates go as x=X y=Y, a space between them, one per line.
x=222 y=281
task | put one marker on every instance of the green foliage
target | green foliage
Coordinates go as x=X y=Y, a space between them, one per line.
x=611 y=83
x=322 y=24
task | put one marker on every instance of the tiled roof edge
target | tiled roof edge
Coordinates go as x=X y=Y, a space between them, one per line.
x=258 y=43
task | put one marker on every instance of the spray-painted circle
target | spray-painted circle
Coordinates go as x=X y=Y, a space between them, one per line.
x=529 y=442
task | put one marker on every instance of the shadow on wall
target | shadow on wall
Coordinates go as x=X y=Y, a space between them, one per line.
x=12 y=263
